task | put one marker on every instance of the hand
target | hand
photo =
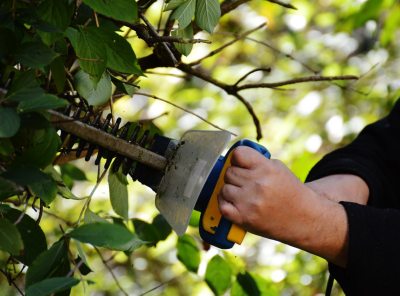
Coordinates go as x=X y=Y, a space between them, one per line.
x=265 y=198
x=261 y=195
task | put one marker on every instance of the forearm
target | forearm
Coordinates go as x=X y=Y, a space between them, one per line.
x=320 y=228
x=326 y=230
x=343 y=187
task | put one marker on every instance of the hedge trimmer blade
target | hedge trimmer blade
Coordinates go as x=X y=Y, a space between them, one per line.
x=186 y=174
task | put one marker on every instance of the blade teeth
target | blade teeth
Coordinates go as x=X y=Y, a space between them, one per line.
x=138 y=137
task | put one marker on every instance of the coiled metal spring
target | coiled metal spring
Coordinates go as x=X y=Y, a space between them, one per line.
x=130 y=132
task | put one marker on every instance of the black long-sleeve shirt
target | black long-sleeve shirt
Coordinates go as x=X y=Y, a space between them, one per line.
x=373 y=266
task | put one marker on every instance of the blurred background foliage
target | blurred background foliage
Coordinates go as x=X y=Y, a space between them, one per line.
x=300 y=123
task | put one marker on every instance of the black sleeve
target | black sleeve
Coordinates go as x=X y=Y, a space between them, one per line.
x=374 y=156
x=374 y=230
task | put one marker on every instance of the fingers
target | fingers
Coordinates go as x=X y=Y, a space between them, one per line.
x=246 y=157
x=230 y=193
x=228 y=210
x=236 y=176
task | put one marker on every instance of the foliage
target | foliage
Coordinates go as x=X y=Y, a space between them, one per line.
x=216 y=63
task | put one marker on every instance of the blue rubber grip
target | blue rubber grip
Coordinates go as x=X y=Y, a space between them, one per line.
x=219 y=238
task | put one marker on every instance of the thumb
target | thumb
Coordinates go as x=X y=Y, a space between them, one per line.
x=246 y=157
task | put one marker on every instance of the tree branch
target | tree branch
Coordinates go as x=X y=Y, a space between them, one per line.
x=111 y=272
x=251 y=72
x=219 y=49
x=296 y=81
x=229 y=89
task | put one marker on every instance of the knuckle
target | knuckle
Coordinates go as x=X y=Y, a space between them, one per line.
x=230 y=173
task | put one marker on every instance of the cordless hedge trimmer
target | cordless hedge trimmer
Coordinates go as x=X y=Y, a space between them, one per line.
x=186 y=174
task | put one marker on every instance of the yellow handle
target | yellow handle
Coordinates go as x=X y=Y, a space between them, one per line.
x=212 y=216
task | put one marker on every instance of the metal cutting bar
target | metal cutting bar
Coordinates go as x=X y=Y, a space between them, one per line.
x=107 y=141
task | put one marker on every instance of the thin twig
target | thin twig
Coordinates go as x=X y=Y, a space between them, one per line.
x=296 y=81
x=184 y=109
x=251 y=72
x=96 y=19
x=283 y=4
x=166 y=74
x=229 y=89
x=87 y=203
x=219 y=49
x=21 y=216
x=175 y=39
x=76 y=267
x=164 y=44
x=287 y=55
x=153 y=118
x=12 y=282
x=253 y=114
x=159 y=286
x=111 y=272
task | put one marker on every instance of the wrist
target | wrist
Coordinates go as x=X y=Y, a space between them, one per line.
x=319 y=226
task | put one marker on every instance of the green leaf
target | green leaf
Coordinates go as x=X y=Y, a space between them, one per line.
x=24 y=87
x=146 y=232
x=30 y=232
x=117 y=186
x=157 y=231
x=195 y=219
x=370 y=10
x=184 y=13
x=218 y=275
x=39 y=183
x=10 y=238
x=123 y=10
x=46 y=101
x=186 y=33
x=84 y=268
x=89 y=49
x=188 y=252
x=96 y=94
x=9 y=123
x=245 y=285
x=57 y=13
x=208 y=13
x=58 y=74
x=91 y=217
x=8 y=189
x=40 y=145
x=111 y=236
x=35 y=54
x=125 y=88
x=171 y=5
x=51 y=285
x=62 y=189
x=70 y=173
x=390 y=26
x=48 y=264
x=120 y=55
x=162 y=226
